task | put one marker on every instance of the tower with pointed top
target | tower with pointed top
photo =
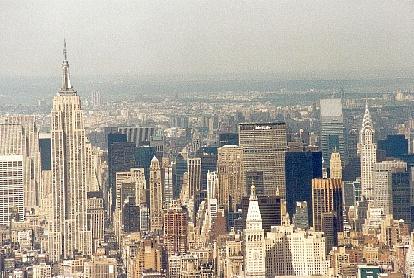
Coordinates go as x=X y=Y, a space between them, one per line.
x=255 y=249
x=68 y=232
x=367 y=151
x=155 y=187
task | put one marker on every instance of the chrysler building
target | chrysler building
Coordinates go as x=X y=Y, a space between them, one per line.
x=367 y=150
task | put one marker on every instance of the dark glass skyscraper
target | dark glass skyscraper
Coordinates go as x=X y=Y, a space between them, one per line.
x=179 y=168
x=301 y=168
x=120 y=158
x=45 y=146
x=401 y=196
x=228 y=139
x=143 y=157
x=394 y=145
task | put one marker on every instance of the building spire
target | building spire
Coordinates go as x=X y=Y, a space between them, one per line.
x=367 y=121
x=64 y=50
x=253 y=196
x=66 y=86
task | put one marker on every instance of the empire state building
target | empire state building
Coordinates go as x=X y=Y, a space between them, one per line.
x=68 y=233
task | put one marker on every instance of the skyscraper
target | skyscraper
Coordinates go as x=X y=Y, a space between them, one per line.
x=394 y=145
x=367 y=150
x=264 y=147
x=167 y=182
x=326 y=198
x=11 y=174
x=301 y=168
x=68 y=233
x=335 y=166
x=176 y=229
x=208 y=156
x=194 y=177
x=121 y=158
x=130 y=189
x=383 y=175
x=96 y=217
x=255 y=249
x=31 y=156
x=332 y=128
x=231 y=178
x=155 y=187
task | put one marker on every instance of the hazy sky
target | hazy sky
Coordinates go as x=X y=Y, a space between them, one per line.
x=290 y=37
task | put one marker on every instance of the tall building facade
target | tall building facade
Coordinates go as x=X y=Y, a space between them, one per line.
x=176 y=229
x=335 y=166
x=31 y=155
x=327 y=198
x=96 y=217
x=121 y=158
x=385 y=182
x=155 y=187
x=167 y=182
x=231 y=178
x=68 y=233
x=332 y=128
x=193 y=182
x=291 y=252
x=12 y=169
x=264 y=147
x=301 y=168
x=254 y=238
x=11 y=188
x=367 y=150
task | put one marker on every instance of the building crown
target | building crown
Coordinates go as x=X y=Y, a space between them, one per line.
x=66 y=85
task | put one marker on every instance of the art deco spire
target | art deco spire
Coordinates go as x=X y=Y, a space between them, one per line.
x=66 y=86
x=367 y=121
x=367 y=129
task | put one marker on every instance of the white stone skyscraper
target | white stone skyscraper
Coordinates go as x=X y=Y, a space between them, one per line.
x=68 y=234
x=367 y=150
x=254 y=240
